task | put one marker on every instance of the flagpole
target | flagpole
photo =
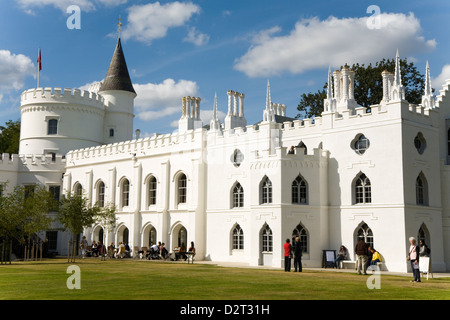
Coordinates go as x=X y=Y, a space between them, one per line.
x=38 y=67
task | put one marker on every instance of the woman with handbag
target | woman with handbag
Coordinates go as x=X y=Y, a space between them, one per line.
x=413 y=257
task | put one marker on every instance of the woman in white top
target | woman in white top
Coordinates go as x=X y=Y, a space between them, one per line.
x=413 y=257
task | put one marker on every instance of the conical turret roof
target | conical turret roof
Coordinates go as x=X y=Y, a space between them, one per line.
x=117 y=77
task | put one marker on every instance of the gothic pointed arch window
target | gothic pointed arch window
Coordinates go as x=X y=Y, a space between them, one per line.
x=365 y=233
x=266 y=190
x=267 y=239
x=362 y=189
x=421 y=190
x=238 y=196
x=448 y=142
x=101 y=194
x=125 y=193
x=152 y=235
x=423 y=235
x=238 y=238
x=152 y=188
x=301 y=232
x=78 y=189
x=182 y=188
x=299 y=190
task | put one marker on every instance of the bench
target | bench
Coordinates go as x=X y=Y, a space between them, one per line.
x=345 y=262
x=379 y=265
x=190 y=257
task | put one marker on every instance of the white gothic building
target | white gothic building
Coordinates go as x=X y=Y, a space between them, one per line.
x=233 y=188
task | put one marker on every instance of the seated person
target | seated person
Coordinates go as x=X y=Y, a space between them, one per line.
x=94 y=249
x=111 y=250
x=181 y=252
x=191 y=250
x=342 y=255
x=99 y=249
x=375 y=257
x=164 y=252
x=121 y=251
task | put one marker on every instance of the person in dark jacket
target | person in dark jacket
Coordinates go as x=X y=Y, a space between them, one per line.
x=362 y=251
x=297 y=255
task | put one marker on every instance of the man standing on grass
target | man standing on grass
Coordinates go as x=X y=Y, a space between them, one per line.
x=362 y=252
x=298 y=255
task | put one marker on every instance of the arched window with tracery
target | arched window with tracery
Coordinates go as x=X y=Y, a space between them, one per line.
x=303 y=236
x=363 y=189
x=267 y=239
x=365 y=233
x=238 y=196
x=299 y=191
x=266 y=191
x=238 y=238
x=182 y=188
x=421 y=190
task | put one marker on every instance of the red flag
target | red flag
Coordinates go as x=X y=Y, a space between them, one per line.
x=39 y=60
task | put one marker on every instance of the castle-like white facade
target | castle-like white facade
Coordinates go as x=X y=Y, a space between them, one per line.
x=234 y=189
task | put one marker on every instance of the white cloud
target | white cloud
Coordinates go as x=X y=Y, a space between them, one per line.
x=28 y=5
x=317 y=44
x=196 y=37
x=85 y=5
x=112 y=3
x=439 y=81
x=152 y=21
x=14 y=68
x=155 y=101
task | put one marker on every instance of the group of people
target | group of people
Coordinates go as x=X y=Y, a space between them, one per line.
x=415 y=252
x=159 y=251
x=295 y=252
x=182 y=253
x=367 y=256
x=154 y=251
x=99 y=250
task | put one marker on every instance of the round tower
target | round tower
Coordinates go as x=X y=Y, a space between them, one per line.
x=54 y=121
x=118 y=93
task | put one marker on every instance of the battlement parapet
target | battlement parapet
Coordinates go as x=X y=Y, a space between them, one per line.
x=47 y=160
x=281 y=157
x=157 y=144
x=62 y=96
x=17 y=161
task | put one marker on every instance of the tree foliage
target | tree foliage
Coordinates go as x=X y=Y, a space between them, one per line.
x=369 y=86
x=75 y=213
x=10 y=137
x=25 y=212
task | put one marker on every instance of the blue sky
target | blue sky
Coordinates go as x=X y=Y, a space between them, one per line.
x=199 y=47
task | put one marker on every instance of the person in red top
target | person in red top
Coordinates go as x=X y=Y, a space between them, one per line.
x=287 y=255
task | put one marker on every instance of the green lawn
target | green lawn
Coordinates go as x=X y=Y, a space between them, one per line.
x=151 y=280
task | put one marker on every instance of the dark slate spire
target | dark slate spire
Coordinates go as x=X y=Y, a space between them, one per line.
x=117 y=77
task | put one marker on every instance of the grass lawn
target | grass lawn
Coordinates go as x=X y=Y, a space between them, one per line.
x=151 y=280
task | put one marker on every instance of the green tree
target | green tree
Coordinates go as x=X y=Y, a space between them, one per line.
x=369 y=86
x=24 y=212
x=10 y=137
x=75 y=214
